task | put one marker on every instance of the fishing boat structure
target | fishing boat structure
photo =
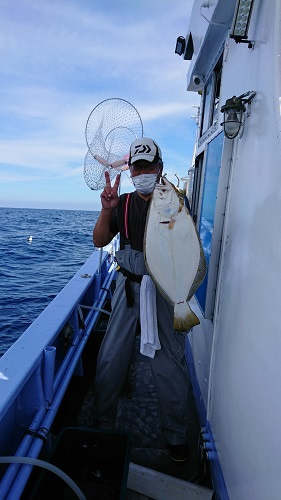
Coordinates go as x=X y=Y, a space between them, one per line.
x=233 y=355
x=234 y=190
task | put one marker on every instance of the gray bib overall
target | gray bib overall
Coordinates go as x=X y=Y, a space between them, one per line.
x=168 y=366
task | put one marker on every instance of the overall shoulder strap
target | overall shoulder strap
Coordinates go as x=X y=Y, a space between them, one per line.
x=126 y=216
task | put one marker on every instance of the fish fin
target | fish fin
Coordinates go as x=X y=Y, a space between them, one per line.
x=184 y=317
x=201 y=271
x=200 y=275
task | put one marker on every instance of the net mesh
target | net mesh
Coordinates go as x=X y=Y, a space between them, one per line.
x=111 y=128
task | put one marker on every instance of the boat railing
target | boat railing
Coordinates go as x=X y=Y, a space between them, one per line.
x=36 y=370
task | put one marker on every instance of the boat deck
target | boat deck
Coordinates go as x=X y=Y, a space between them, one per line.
x=138 y=416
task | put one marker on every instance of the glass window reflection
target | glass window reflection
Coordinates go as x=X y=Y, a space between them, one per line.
x=206 y=225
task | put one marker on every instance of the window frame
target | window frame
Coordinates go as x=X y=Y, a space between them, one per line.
x=208 y=106
x=219 y=217
x=214 y=80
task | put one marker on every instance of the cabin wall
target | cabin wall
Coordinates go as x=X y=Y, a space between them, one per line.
x=244 y=406
x=243 y=403
x=201 y=341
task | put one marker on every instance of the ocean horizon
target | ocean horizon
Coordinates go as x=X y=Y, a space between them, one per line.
x=41 y=249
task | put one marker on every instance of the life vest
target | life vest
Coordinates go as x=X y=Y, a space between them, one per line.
x=129 y=276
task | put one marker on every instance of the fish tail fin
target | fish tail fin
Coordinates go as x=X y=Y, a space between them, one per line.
x=184 y=317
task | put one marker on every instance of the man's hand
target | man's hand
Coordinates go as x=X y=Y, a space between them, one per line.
x=109 y=200
x=109 y=196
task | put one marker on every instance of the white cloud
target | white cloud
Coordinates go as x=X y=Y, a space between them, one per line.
x=60 y=58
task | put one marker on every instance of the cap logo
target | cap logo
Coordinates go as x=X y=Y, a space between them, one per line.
x=144 y=149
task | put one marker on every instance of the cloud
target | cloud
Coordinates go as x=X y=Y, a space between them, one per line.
x=60 y=58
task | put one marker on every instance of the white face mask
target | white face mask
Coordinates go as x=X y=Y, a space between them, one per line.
x=144 y=183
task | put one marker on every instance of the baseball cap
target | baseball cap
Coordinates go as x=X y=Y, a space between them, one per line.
x=144 y=149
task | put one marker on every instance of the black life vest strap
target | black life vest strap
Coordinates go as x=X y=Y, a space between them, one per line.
x=129 y=277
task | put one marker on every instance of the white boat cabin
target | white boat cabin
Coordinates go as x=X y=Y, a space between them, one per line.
x=234 y=49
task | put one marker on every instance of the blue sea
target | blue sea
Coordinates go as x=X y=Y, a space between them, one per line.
x=33 y=270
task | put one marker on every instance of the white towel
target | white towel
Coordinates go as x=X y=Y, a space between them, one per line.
x=149 y=342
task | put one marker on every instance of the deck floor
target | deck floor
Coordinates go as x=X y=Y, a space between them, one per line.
x=138 y=416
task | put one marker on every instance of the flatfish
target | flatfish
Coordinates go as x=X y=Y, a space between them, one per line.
x=173 y=252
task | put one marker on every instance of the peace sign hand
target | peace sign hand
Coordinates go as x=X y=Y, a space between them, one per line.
x=109 y=196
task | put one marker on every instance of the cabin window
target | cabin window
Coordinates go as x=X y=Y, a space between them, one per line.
x=211 y=97
x=207 y=112
x=217 y=93
x=209 y=187
x=196 y=187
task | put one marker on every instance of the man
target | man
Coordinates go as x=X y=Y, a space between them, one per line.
x=127 y=215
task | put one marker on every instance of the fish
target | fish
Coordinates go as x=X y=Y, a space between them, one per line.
x=173 y=252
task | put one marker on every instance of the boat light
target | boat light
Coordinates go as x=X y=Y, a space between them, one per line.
x=241 y=22
x=180 y=45
x=233 y=111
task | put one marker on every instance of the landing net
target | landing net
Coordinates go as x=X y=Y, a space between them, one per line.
x=111 y=128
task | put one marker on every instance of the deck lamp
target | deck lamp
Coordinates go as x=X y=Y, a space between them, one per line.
x=241 y=22
x=233 y=111
x=180 y=45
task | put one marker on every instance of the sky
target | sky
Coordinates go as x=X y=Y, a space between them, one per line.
x=59 y=60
